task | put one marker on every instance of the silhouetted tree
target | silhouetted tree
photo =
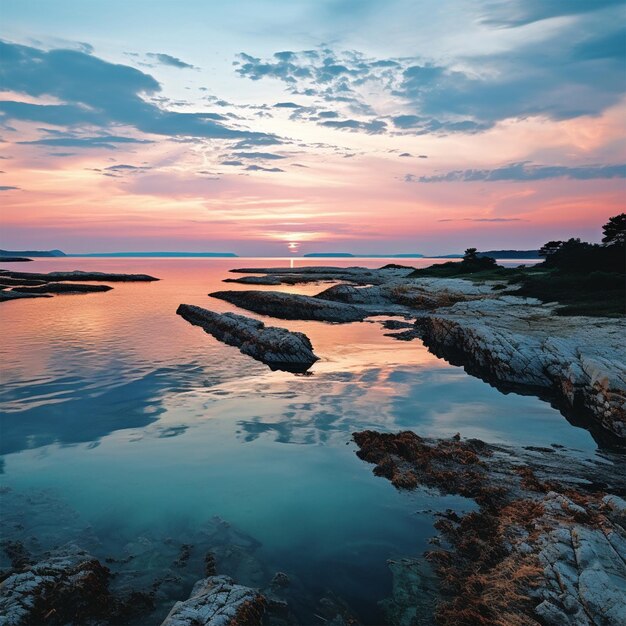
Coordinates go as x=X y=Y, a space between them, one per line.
x=470 y=254
x=615 y=230
x=550 y=248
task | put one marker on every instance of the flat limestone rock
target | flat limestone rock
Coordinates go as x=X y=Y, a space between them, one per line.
x=512 y=340
x=289 y=306
x=77 y=275
x=277 y=347
x=218 y=601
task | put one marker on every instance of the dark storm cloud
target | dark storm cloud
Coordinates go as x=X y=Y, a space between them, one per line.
x=524 y=172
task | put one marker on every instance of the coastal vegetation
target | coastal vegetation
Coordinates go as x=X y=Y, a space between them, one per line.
x=585 y=278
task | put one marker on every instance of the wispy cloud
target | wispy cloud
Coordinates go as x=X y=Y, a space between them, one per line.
x=166 y=59
x=524 y=171
x=259 y=168
x=483 y=219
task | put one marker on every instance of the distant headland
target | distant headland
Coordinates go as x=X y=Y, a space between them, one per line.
x=59 y=253
x=157 y=254
x=31 y=253
x=339 y=255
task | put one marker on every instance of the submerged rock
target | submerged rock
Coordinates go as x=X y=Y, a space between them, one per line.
x=546 y=546
x=291 y=306
x=277 y=347
x=218 y=601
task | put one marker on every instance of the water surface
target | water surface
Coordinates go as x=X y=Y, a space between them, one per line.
x=121 y=418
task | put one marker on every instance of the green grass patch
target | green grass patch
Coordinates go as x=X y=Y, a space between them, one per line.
x=595 y=293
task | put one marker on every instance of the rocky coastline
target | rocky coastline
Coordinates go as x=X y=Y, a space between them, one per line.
x=17 y=285
x=577 y=363
x=546 y=545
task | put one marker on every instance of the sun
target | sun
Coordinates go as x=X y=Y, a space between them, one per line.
x=293 y=246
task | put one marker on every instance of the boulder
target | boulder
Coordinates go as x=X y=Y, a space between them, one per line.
x=218 y=601
x=292 y=306
x=277 y=347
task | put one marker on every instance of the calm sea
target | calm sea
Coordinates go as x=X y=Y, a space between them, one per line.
x=127 y=429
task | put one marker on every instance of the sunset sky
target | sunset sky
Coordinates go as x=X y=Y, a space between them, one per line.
x=331 y=125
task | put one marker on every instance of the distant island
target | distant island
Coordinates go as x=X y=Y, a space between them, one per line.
x=448 y=256
x=29 y=253
x=156 y=254
x=336 y=255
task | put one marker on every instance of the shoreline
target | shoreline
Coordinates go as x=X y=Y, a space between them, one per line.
x=548 y=536
x=513 y=343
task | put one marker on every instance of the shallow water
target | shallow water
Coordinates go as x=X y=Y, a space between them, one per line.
x=142 y=425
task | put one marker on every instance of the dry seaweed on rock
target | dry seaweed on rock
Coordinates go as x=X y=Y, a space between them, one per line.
x=539 y=550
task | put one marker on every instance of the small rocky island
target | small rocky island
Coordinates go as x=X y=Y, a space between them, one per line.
x=16 y=285
x=277 y=347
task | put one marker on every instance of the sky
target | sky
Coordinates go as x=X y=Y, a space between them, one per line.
x=274 y=127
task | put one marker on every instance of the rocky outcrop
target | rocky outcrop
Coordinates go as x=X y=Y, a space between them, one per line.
x=218 y=601
x=277 y=347
x=15 y=285
x=7 y=281
x=6 y=295
x=547 y=545
x=255 y=280
x=79 y=276
x=62 y=288
x=68 y=587
x=291 y=306
x=513 y=341
x=296 y=275
x=577 y=363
